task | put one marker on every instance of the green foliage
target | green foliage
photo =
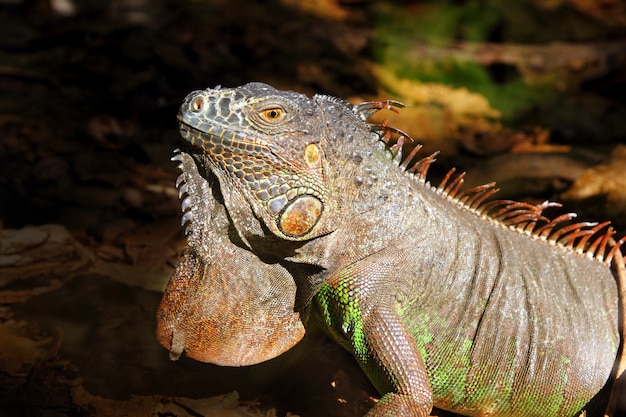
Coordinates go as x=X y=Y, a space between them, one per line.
x=439 y=22
x=417 y=42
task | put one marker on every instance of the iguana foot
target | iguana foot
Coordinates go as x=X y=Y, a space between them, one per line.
x=395 y=405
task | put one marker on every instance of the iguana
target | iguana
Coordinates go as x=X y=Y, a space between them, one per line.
x=297 y=208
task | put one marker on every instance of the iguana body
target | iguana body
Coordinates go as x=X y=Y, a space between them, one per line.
x=443 y=299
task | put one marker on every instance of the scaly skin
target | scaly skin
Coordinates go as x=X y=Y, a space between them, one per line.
x=214 y=326
x=438 y=303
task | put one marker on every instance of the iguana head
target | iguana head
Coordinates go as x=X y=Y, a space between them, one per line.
x=270 y=147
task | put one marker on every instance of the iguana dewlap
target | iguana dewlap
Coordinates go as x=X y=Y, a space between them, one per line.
x=298 y=207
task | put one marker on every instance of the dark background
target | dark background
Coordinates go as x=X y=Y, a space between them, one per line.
x=528 y=93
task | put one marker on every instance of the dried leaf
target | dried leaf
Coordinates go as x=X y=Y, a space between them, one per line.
x=23 y=347
x=226 y=405
x=436 y=114
x=46 y=255
x=607 y=180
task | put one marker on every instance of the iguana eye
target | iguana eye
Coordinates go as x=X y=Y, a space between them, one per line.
x=273 y=115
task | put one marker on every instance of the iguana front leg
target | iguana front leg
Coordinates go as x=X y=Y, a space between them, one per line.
x=391 y=355
x=355 y=315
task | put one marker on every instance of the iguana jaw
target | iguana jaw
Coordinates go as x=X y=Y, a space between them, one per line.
x=276 y=165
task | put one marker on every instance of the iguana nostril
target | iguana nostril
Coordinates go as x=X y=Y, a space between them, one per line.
x=197 y=104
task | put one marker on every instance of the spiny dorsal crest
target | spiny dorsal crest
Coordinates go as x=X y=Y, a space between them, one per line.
x=184 y=194
x=589 y=238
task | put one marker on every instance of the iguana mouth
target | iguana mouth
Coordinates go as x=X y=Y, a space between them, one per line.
x=216 y=140
x=248 y=161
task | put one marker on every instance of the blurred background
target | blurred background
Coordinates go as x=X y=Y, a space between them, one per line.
x=529 y=93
